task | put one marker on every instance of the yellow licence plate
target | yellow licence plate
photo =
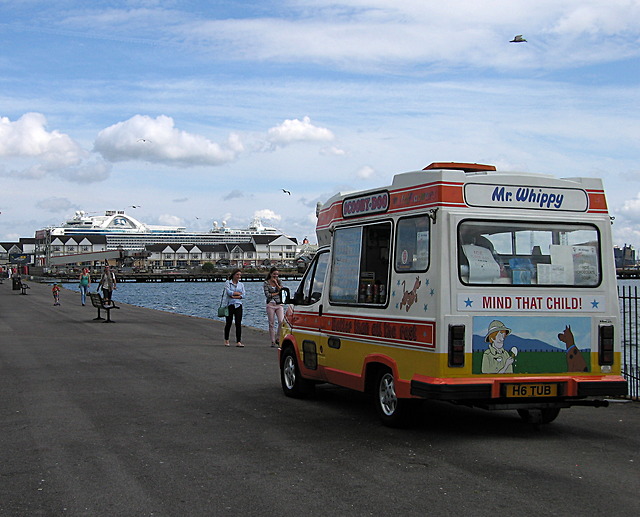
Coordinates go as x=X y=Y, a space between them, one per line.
x=531 y=390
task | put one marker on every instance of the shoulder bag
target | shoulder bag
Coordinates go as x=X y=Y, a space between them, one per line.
x=223 y=310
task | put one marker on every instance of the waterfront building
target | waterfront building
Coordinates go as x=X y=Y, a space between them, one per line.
x=625 y=257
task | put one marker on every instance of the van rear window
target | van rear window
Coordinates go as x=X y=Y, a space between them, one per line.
x=525 y=254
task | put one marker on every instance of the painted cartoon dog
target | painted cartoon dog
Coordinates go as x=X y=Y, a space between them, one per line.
x=575 y=360
x=410 y=297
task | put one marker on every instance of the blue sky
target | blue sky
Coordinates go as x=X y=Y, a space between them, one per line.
x=202 y=111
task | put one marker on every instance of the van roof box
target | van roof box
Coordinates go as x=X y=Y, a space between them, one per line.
x=466 y=167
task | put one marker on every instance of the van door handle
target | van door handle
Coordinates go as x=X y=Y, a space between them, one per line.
x=320 y=310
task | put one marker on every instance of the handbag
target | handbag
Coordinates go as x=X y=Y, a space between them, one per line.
x=223 y=310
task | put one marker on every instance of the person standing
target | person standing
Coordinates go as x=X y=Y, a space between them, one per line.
x=55 y=291
x=275 y=310
x=107 y=283
x=235 y=293
x=85 y=283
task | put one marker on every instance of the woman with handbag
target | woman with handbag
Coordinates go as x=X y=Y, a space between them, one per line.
x=275 y=310
x=235 y=292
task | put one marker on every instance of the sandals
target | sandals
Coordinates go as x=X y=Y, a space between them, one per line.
x=240 y=345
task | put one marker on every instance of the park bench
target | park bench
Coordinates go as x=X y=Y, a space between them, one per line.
x=24 y=288
x=99 y=303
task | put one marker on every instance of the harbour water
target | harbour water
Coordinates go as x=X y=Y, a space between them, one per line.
x=200 y=299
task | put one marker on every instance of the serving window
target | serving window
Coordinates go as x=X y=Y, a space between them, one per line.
x=360 y=265
x=524 y=254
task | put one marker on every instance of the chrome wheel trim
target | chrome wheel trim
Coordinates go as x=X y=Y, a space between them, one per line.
x=289 y=372
x=387 y=395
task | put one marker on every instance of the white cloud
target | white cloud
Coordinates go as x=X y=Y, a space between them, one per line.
x=268 y=215
x=365 y=172
x=170 y=220
x=27 y=137
x=55 y=204
x=39 y=153
x=158 y=140
x=333 y=151
x=295 y=130
x=378 y=34
x=234 y=194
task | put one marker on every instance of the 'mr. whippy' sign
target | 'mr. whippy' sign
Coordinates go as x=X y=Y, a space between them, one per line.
x=532 y=197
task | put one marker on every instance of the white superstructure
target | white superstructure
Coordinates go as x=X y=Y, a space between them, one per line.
x=125 y=232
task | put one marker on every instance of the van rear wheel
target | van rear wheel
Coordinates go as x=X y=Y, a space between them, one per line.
x=293 y=385
x=393 y=411
x=539 y=416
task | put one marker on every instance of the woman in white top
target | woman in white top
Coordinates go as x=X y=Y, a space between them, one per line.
x=235 y=293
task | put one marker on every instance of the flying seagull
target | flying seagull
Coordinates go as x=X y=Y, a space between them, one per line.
x=286 y=191
x=144 y=140
x=518 y=39
x=135 y=206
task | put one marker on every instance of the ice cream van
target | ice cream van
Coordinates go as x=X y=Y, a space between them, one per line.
x=465 y=284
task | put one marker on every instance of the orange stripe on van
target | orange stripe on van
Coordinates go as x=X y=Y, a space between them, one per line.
x=438 y=193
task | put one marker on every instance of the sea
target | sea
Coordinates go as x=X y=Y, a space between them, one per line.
x=200 y=299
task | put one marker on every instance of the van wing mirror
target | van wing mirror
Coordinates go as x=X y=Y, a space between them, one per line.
x=285 y=295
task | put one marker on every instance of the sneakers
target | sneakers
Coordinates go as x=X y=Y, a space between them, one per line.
x=226 y=343
x=238 y=344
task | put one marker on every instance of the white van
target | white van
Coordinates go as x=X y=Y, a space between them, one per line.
x=464 y=284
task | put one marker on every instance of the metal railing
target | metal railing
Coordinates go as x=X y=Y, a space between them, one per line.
x=629 y=300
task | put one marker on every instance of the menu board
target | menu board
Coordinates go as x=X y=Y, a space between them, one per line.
x=345 y=269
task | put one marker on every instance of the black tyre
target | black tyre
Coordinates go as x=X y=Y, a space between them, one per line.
x=293 y=385
x=539 y=416
x=393 y=411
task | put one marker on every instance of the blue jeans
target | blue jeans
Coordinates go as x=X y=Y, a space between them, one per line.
x=84 y=289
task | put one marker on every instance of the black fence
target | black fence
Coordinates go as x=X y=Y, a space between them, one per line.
x=629 y=300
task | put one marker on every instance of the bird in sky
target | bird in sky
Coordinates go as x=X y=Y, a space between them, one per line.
x=518 y=39
x=144 y=140
x=286 y=191
x=135 y=206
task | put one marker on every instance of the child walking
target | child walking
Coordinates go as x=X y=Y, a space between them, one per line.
x=55 y=290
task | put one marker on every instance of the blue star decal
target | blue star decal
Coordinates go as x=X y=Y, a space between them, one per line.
x=393 y=294
x=468 y=302
x=432 y=292
x=398 y=283
x=426 y=281
x=594 y=304
x=426 y=306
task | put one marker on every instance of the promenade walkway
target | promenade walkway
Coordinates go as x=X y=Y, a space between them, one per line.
x=153 y=416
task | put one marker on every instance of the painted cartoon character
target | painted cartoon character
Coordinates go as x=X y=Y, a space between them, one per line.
x=496 y=359
x=575 y=360
x=410 y=297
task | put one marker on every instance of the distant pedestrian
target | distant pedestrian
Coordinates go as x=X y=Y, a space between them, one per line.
x=55 y=291
x=107 y=283
x=235 y=293
x=85 y=284
x=275 y=310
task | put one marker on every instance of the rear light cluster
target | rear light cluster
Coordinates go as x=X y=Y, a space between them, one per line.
x=456 y=345
x=605 y=344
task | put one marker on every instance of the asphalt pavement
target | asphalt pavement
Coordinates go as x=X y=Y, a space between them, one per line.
x=153 y=416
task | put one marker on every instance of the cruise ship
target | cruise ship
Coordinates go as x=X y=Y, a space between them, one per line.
x=123 y=231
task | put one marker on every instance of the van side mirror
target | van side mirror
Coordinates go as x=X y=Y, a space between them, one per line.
x=285 y=295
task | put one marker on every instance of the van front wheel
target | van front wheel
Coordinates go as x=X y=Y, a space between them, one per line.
x=293 y=385
x=393 y=411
